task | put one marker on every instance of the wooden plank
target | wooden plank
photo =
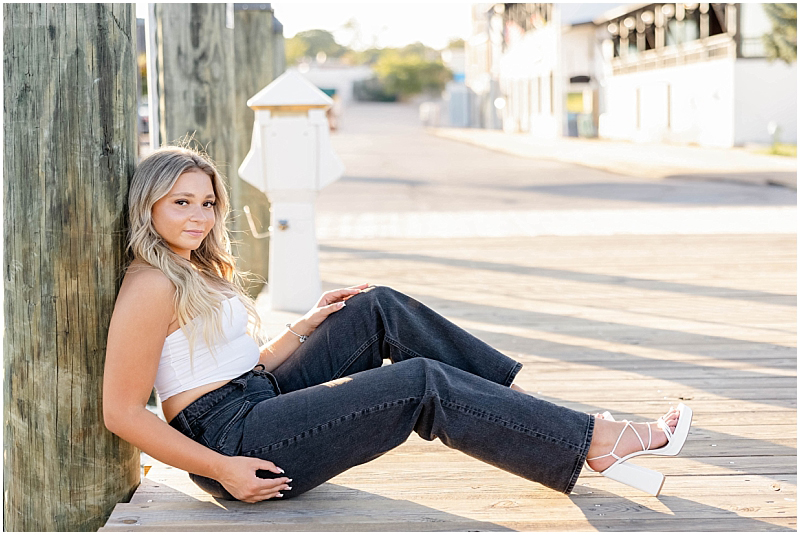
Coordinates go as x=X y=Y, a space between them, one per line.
x=356 y=506
x=689 y=525
x=175 y=486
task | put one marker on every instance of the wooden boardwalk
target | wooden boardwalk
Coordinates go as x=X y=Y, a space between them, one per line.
x=631 y=324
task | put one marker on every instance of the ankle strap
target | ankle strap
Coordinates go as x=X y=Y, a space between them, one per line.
x=612 y=454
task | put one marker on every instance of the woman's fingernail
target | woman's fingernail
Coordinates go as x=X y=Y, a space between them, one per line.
x=280 y=495
x=281 y=469
x=289 y=480
x=288 y=487
x=344 y=304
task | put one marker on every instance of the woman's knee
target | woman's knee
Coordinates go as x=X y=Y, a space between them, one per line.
x=386 y=295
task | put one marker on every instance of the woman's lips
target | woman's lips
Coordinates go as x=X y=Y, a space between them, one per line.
x=194 y=232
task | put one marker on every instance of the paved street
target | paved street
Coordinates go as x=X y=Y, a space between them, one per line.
x=401 y=181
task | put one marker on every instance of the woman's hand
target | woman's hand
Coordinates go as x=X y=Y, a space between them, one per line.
x=329 y=303
x=238 y=476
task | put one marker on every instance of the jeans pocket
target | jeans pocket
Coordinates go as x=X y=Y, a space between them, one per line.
x=230 y=438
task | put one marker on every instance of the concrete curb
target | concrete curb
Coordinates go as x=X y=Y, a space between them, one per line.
x=643 y=160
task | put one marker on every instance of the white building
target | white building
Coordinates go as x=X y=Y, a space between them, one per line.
x=675 y=73
x=329 y=75
x=550 y=71
x=694 y=73
x=483 y=51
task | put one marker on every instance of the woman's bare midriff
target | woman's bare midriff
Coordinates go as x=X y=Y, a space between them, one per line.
x=178 y=402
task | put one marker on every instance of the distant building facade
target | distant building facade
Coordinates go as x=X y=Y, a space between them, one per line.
x=694 y=73
x=677 y=73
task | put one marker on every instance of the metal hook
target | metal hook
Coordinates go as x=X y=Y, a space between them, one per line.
x=252 y=224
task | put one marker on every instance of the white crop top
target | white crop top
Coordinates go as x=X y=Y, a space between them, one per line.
x=234 y=354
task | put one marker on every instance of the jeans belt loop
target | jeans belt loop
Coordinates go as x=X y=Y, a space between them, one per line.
x=241 y=382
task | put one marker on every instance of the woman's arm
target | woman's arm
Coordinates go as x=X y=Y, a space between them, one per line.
x=277 y=350
x=136 y=335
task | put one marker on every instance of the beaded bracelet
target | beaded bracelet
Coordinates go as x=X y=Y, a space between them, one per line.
x=302 y=337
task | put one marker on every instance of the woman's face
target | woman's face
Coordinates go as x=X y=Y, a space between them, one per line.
x=185 y=215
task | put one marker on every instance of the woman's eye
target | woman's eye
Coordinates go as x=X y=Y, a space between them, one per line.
x=210 y=204
x=181 y=201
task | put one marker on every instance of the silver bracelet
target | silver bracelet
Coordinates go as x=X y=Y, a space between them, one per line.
x=302 y=337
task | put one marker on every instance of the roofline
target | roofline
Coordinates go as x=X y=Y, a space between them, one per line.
x=619 y=11
x=581 y=23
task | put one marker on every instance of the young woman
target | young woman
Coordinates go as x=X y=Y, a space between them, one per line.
x=253 y=422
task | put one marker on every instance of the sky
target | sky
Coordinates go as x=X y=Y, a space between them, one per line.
x=385 y=23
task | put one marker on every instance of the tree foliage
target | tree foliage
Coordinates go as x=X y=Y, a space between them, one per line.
x=409 y=72
x=456 y=42
x=781 y=43
x=402 y=72
x=309 y=43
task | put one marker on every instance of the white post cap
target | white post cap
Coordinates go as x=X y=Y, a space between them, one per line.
x=290 y=90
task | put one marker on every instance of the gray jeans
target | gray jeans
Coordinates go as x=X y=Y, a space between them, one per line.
x=332 y=405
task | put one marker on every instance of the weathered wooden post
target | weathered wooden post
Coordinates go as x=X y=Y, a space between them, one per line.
x=69 y=150
x=254 y=46
x=196 y=80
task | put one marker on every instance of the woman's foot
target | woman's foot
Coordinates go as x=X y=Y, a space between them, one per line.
x=607 y=432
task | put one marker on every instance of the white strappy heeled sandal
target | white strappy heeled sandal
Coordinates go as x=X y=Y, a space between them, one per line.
x=644 y=479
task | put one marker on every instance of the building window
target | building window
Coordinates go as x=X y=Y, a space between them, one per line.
x=674 y=32
x=716 y=19
x=691 y=25
x=633 y=47
x=650 y=37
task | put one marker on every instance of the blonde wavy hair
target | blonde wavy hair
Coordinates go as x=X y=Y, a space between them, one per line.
x=200 y=283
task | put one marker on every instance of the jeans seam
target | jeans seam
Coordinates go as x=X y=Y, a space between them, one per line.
x=510 y=425
x=512 y=373
x=328 y=424
x=401 y=347
x=357 y=353
x=226 y=430
x=576 y=470
x=243 y=399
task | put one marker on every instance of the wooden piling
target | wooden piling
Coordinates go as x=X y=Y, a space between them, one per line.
x=196 y=81
x=69 y=150
x=254 y=45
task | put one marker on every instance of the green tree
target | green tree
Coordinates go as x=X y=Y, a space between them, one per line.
x=781 y=43
x=456 y=42
x=362 y=57
x=296 y=49
x=308 y=43
x=410 y=73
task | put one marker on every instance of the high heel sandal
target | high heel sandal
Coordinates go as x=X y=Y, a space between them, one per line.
x=644 y=479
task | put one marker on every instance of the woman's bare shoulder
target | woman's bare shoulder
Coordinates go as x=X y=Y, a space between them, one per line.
x=143 y=282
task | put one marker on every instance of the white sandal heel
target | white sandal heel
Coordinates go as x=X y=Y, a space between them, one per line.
x=636 y=476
